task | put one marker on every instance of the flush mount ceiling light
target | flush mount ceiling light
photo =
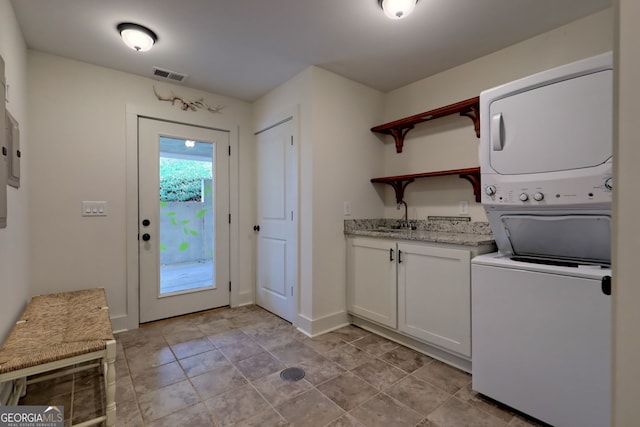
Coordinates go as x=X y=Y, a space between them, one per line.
x=136 y=36
x=397 y=9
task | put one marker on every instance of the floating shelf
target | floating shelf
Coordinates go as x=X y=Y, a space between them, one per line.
x=399 y=128
x=400 y=182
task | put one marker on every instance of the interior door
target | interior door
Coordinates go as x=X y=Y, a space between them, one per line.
x=277 y=234
x=183 y=178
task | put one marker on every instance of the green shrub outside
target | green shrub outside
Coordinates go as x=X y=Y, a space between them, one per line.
x=181 y=180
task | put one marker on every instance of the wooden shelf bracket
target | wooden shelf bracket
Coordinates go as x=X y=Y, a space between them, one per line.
x=400 y=182
x=399 y=128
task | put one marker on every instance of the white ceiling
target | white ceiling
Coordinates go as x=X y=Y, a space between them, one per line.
x=244 y=48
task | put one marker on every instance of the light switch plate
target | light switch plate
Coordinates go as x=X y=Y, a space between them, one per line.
x=90 y=208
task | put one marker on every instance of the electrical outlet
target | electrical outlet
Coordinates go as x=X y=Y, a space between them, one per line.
x=463 y=207
x=347 y=208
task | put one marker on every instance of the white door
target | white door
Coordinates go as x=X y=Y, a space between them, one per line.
x=277 y=229
x=371 y=279
x=183 y=192
x=434 y=295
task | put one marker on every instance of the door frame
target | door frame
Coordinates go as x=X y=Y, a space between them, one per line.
x=131 y=319
x=290 y=115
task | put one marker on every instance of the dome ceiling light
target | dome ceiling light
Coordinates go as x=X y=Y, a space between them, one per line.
x=397 y=9
x=137 y=37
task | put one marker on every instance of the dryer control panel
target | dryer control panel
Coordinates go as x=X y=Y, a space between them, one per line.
x=567 y=191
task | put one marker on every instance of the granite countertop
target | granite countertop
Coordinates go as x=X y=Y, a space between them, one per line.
x=441 y=231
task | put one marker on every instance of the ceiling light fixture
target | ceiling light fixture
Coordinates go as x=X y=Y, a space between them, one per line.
x=136 y=36
x=397 y=9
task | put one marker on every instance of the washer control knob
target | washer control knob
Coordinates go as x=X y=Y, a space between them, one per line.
x=524 y=197
x=609 y=183
x=538 y=197
x=490 y=190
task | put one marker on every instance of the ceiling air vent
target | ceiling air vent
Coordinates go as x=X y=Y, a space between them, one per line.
x=169 y=75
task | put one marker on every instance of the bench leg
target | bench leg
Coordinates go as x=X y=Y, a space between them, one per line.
x=110 y=384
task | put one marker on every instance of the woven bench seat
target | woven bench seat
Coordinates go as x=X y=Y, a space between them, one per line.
x=59 y=331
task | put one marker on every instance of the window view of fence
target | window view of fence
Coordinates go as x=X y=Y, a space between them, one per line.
x=186 y=215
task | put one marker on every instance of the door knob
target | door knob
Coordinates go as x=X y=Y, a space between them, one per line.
x=146 y=222
x=146 y=237
x=256 y=228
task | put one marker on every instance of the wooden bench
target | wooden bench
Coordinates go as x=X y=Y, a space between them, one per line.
x=65 y=332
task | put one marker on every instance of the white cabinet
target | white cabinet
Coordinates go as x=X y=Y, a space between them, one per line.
x=422 y=290
x=371 y=277
x=434 y=295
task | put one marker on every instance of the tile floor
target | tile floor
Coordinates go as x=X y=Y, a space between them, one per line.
x=222 y=368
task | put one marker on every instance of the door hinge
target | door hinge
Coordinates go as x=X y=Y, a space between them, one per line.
x=229 y=150
x=292 y=140
x=229 y=218
x=292 y=291
x=229 y=285
x=291 y=215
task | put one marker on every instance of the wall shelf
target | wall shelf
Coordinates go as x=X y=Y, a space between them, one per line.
x=400 y=182
x=399 y=128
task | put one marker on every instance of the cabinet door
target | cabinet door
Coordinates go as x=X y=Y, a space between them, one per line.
x=371 y=279
x=434 y=295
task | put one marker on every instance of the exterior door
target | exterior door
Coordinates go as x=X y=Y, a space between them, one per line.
x=183 y=218
x=277 y=237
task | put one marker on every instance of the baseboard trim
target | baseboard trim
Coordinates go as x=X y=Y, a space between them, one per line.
x=330 y=322
x=432 y=351
x=120 y=322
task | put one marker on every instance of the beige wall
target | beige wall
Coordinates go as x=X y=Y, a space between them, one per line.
x=346 y=155
x=79 y=151
x=14 y=260
x=626 y=247
x=450 y=143
x=337 y=157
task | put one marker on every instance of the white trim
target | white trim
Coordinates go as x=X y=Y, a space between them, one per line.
x=322 y=325
x=130 y=319
x=244 y=298
x=119 y=322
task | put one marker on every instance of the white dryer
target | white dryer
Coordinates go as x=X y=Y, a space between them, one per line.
x=546 y=162
x=541 y=306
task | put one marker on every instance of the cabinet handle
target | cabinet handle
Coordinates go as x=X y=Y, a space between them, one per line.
x=390 y=254
x=399 y=256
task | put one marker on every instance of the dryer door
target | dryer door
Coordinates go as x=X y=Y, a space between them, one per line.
x=559 y=126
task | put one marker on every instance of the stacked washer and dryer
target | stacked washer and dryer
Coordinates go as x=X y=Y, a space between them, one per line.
x=541 y=306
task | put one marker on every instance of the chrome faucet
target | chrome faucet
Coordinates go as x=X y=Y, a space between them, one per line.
x=404 y=223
